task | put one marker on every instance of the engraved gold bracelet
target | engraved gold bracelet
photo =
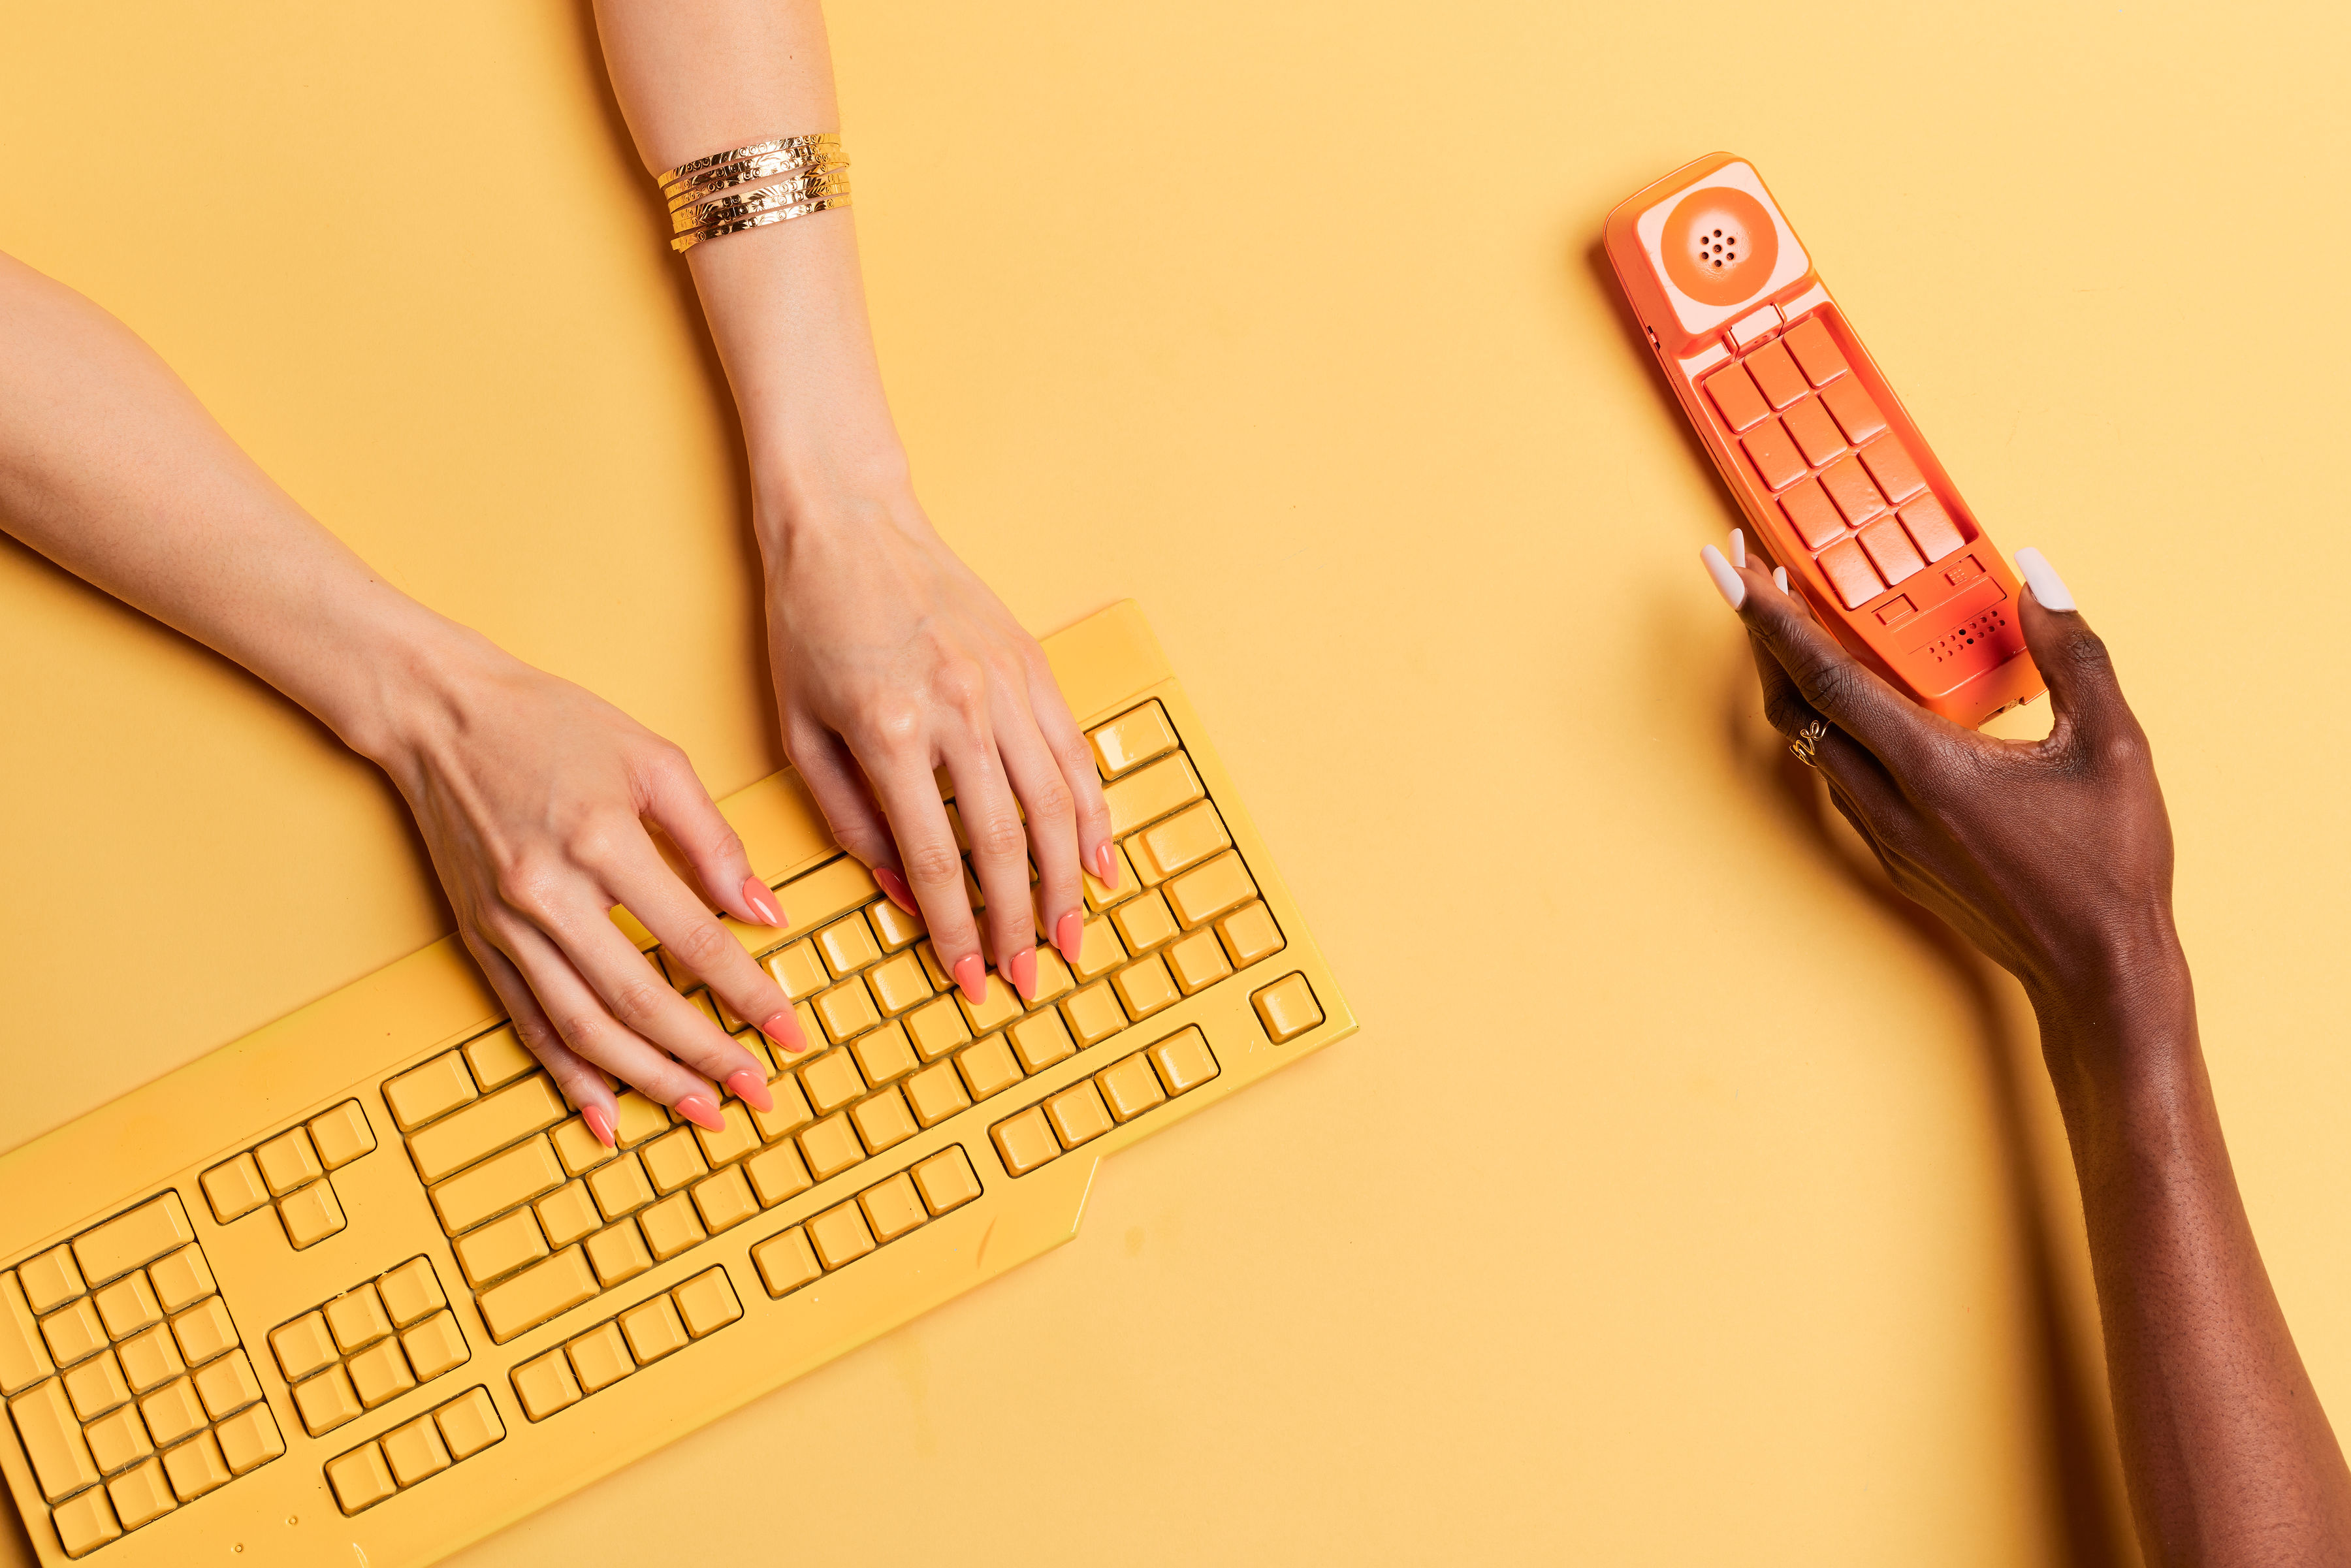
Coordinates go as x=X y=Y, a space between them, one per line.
x=821 y=143
x=749 y=171
x=782 y=214
x=751 y=186
x=743 y=203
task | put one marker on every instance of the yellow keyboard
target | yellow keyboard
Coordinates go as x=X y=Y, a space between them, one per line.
x=356 y=1288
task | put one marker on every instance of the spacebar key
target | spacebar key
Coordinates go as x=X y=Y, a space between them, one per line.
x=537 y=1294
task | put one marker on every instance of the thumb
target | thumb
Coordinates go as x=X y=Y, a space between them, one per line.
x=2083 y=690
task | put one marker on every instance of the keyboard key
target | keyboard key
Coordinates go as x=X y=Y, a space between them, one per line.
x=998 y=1005
x=947 y=1181
x=142 y=1495
x=73 y=1332
x=128 y=1305
x=1093 y=1014
x=545 y=1384
x=1891 y=466
x=579 y=1149
x=831 y=1080
x=434 y=1346
x=97 y=1386
x=937 y=1029
x=1781 y=382
x=1145 y=988
x=1850 y=573
x=235 y=1188
x=776 y=1175
x=706 y=1302
x=1025 y=1142
x=310 y=1214
x=537 y=1294
x=380 y=1373
x=1856 y=414
x=357 y=1318
x=469 y=1423
x=839 y=1235
x=418 y=1095
x=786 y=1262
x=204 y=1332
x=1053 y=975
x=671 y=1226
x=1150 y=793
x=847 y=1011
x=569 y=1213
x=672 y=1160
x=1183 y=1062
x=1041 y=1039
x=930 y=961
x=620 y=1187
x=831 y=1147
x=484 y=1127
x=327 y=1401
x=834 y=888
x=303 y=1346
x=181 y=1277
x=1809 y=514
x=988 y=1068
x=1890 y=551
x=1734 y=393
x=1931 y=527
x=1186 y=838
x=893 y=927
x=1850 y=489
x=1130 y=1088
x=361 y=1479
x=1816 y=352
x=1135 y=736
x=86 y=1523
x=414 y=1450
x=150 y=1359
x=195 y=1467
x=1198 y=962
x=501 y=1246
x=51 y=1280
x=1249 y=935
x=499 y=1057
x=1287 y=1009
x=799 y=970
x=1078 y=1115
x=790 y=1114
x=653 y=1330
x=1773 y=454
x=899 y=983
x=227 y=1385
x=1098 y=951
x=892 y=1208
x=848 y=944
x=619 y=1253
x=1144 y=923
x=500 y=1183
x=133 y=1240
x=249 y=1439
x=883 y=1122
x=636 y=1118
x=117 y=1441
x=725 y=1200
x=410 y=1291
x=53 y=1440
x=884 y=1053
x=1817 y=436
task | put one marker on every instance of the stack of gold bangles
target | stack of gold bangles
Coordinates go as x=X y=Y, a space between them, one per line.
x=769 y=182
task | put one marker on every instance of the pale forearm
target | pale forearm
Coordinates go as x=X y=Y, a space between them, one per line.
x=2229 y=1454
x=110 y=468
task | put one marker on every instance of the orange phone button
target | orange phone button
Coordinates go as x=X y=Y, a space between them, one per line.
x=1808 y=508
x=1932 y=526
x=1775 y=455
x=1777 y=374
x=1855 y=413
x=1898 y=612
x=1815 y=350
x=1966 y=571
x=1736 y=396
x=1850 y=573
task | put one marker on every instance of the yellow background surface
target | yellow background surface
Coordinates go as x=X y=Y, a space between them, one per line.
x=1680 y=1202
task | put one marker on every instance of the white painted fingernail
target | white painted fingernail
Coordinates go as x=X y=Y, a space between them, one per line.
x=1739 y=548
x=2042 y=579
x=1726 y=582
x=1780 y=578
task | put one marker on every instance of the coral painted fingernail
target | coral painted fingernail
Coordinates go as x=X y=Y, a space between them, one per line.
x=1106 y=864
x=896 y=887
x=762 y=903
x=751 y=1089
x=600 y=1121
x=1739 y=546
x=1726 y=582
x=701 y=1112
x=1069 y=934
x=785 y=1030
x=1023 y=973
x=971 y=974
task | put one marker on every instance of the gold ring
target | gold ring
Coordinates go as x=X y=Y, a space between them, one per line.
x=802 y=146
x=1807 y=742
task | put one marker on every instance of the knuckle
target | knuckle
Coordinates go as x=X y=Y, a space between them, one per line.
x=1785 y=710
x=932 y=865
x=702 y=945
x=997 y=838
x=1828 y=684
x=893 y=727
x=961 y=684
x=1051 y=801
x=636 y=1003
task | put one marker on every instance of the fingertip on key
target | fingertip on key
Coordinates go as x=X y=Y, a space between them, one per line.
x=785 y=1030
x=1022 y=970
x=1070 y=935
x=971 y=977
x=600 y=1121
x=751 y=1088
x=762 y=902
x=1106 y=864
x=894 y=888
x=699 y=1111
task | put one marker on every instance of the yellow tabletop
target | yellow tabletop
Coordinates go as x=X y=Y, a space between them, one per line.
x=1681 y=1201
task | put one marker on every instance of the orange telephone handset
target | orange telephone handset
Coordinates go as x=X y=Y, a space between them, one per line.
x=1838 y=483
